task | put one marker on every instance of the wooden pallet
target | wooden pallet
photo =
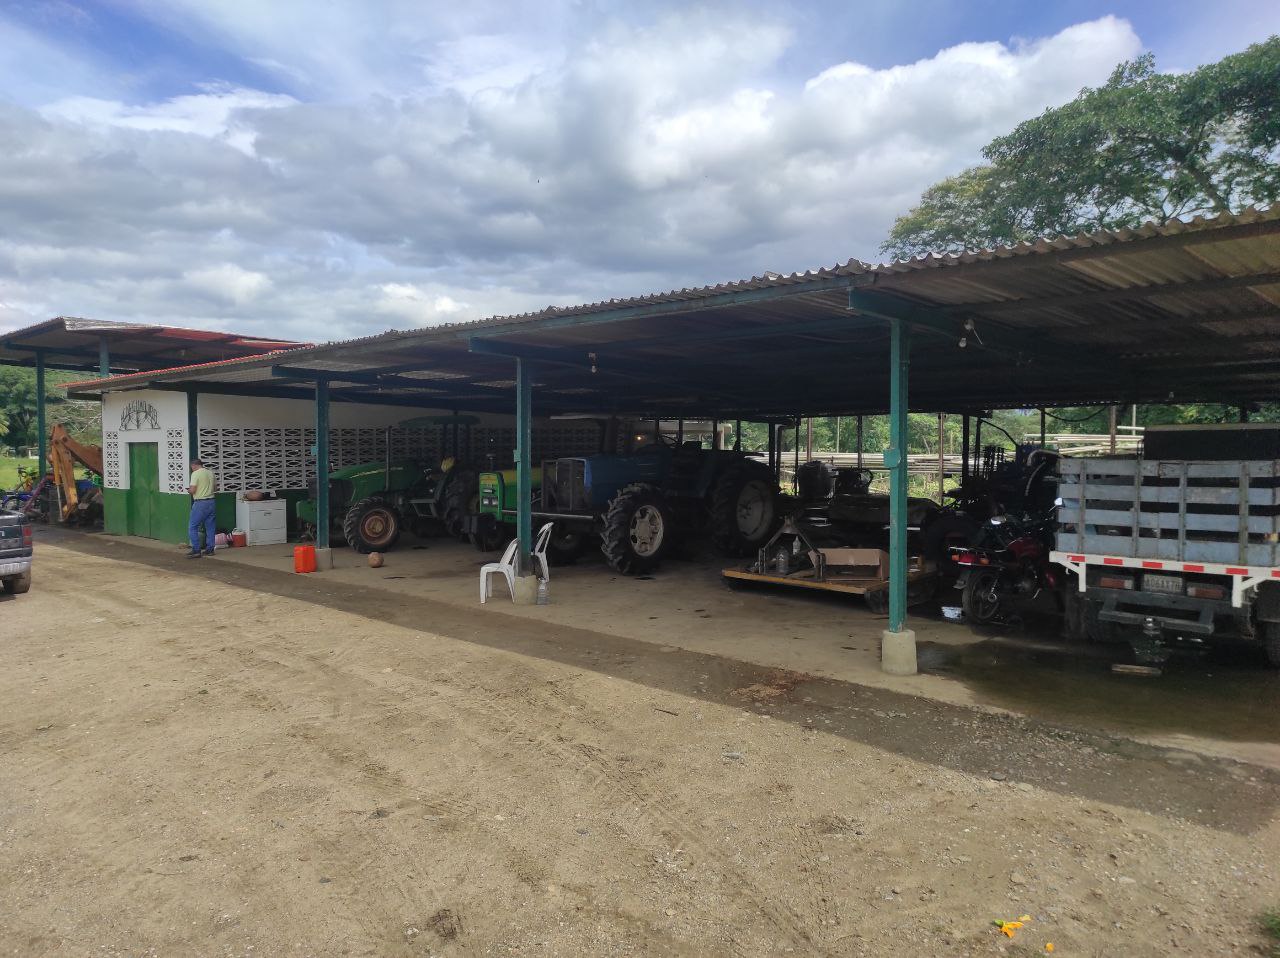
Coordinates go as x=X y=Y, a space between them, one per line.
x=805 y=580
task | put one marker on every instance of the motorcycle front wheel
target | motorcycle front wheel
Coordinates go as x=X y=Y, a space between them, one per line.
x=981 y=600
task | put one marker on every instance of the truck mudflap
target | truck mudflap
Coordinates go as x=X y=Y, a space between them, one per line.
x=1244 y=579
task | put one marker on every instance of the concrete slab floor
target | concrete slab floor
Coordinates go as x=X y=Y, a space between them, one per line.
x=1224 y=709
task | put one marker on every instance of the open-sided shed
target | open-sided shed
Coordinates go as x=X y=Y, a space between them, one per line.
x=1179 y=311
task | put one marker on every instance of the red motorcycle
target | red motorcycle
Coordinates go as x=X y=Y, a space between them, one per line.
x=1008 y=561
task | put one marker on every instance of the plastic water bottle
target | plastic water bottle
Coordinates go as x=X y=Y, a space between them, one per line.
x=544 y=592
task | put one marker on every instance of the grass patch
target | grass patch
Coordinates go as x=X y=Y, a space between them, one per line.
x=1269 y=922
x=9 y=471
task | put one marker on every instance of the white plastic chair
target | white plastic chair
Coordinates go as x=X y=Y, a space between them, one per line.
x=506 y=567
x=540 y=551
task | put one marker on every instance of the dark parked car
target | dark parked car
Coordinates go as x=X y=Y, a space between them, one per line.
x=15 y=553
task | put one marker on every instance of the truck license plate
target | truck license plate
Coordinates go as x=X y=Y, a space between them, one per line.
x=1158 y=582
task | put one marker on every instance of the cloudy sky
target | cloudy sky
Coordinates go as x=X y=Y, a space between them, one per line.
x=320 y=170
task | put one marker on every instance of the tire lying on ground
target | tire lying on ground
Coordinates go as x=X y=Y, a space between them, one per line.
x=744 y=509
x=637 y=530
x=371 y=525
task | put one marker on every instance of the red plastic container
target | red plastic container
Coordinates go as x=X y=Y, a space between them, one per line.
x=239 y=540
x=304 y=558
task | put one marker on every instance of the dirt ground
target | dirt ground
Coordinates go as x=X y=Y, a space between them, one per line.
x=221 y=758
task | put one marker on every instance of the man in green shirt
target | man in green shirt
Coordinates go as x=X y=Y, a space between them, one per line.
x=202 y=510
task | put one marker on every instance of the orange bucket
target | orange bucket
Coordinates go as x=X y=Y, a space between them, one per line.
x=304 y=558
x=239 y=540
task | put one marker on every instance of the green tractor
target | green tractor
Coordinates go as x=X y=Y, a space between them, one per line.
x=639 y=505
x=370 y=503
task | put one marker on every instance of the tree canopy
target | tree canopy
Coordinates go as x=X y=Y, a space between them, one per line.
x=1145 y=146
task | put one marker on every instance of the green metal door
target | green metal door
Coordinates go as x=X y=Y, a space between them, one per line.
x=144 y=481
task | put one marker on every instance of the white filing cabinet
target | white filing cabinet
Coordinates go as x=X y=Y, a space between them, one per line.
x=262 y=522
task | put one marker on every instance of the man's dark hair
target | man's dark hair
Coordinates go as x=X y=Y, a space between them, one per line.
x=196 y=462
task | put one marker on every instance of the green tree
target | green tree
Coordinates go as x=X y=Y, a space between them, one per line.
x=18 y=405
x=1145 y=146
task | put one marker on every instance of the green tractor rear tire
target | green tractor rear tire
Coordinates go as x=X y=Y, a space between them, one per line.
x=638 y=530
x=744 y=509
x=371 y=525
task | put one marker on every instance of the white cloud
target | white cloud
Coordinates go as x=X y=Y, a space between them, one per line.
x=639 y=158
x=227 y=283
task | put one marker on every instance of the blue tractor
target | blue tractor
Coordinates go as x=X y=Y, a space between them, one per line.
x=640 y=505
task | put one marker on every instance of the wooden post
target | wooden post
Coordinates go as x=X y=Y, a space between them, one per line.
x=1111 y=427
x=808 y=442
x=859 y=441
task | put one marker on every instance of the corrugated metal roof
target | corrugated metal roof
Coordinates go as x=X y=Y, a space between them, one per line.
x=71 y=342
x=1180 y=310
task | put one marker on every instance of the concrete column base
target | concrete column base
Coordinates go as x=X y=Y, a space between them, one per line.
x=898 y=652
x=324 y=559
x=526 y=590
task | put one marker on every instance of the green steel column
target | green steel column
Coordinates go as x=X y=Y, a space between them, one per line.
x=104 y=358
x=896 y=459
x=524 y=478
x=42 y=438
x=322 y=463
x=193 y=425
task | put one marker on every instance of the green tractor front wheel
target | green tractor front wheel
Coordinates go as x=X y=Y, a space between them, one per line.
x=371 y=525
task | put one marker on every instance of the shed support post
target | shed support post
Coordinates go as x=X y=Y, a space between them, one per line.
x=104 y=357
x=193 y=426
x=898 y=643
x=737 y=436
x=1043 y=433
x=322 y=464
x=1111 y=427
x=942 y=458
x=42 y=438
x=524 y=457
x=773 y=442
x=859 y=441
x=964 y=449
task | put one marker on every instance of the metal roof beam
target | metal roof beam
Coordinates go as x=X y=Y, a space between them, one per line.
x=613 y=367
x=991 y=336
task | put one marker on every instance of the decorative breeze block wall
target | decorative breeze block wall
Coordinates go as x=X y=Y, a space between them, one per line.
x=280 y=458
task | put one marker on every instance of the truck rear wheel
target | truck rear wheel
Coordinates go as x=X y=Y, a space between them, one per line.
x=371 y=525
x=744 y=509
x=1271 y=640
x=637 y=530
x=18 y=584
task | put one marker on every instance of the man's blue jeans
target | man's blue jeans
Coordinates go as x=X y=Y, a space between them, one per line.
x=201 y=515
